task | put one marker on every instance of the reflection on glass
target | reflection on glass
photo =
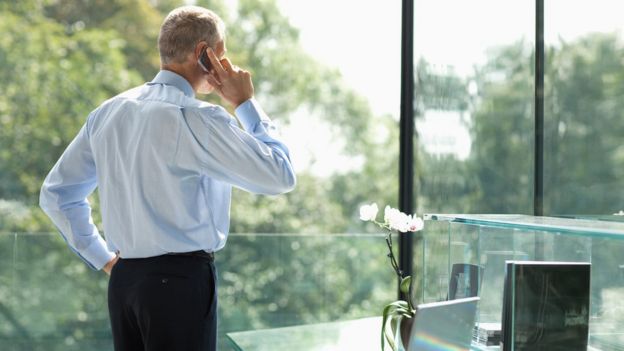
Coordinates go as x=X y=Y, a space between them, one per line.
x=474 y=105
x=584 y=159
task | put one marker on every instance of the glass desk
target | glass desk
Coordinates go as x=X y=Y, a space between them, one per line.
x=360 y=334
x=489 y=240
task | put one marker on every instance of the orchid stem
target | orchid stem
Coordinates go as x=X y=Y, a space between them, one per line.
x=393 y=261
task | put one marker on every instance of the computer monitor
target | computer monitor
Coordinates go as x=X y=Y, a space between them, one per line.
x=445 y=325
x=546 y=306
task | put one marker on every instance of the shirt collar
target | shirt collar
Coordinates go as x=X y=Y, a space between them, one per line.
x=174 y=79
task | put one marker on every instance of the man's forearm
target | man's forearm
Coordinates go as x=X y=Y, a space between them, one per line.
x=77 y=228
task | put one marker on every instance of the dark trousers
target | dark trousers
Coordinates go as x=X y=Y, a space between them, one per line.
x=163 y=303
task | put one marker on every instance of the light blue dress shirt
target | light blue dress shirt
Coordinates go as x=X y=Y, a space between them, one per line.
x=165 y=164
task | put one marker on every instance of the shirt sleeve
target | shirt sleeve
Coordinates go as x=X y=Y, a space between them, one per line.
x=63 y=198
x=253 y=159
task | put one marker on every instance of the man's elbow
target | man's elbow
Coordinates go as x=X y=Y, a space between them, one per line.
x=284 y=185
x=290 y=183
x=45 y=199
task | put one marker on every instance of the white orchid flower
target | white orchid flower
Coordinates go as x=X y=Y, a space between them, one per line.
x=396 y=219
x=369 y=212
x=415 y=223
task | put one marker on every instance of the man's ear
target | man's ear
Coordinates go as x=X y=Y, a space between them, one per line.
x=201 y=46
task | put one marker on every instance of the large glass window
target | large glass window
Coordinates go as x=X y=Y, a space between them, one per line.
x=583 y=111
x=474 y=106
x=583 y=133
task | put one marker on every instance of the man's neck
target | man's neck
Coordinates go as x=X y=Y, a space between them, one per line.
x=185 y=72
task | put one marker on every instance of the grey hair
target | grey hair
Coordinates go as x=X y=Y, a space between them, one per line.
x=183 y=28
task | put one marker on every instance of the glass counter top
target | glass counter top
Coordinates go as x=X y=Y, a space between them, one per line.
x=576 y=226
x=609 y=218
x=360 y=334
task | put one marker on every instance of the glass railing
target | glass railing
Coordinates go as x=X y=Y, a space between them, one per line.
x=50 y=300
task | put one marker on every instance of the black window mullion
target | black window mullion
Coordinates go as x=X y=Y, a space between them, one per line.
x=406 y=151
x=538 y=180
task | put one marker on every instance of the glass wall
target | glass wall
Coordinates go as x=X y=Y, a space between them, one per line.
x=583 y=113
x=50 y=300
x=474 y=106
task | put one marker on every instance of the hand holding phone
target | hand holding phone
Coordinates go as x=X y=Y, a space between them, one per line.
x=231 y=83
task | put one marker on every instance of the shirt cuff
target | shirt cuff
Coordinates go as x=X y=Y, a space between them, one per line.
x=250 y=113
x=97 y=253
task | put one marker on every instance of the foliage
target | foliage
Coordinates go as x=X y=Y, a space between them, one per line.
x=51 y=81
x=290 y=213
x=584 y=161
x=502 y=133
x=583 y=113
x=135 y=22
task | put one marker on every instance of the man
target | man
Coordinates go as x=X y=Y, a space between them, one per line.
x=165 y=163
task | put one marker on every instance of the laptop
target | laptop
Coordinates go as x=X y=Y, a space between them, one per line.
x=446 y=325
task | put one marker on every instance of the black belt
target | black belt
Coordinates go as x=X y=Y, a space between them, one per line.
x=200 y=253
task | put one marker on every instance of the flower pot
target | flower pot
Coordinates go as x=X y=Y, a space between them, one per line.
x=402 y=335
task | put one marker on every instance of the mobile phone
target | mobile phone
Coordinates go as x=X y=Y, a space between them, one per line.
x=204 y=61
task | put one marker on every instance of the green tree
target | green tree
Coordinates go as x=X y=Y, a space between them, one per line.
x=136 y=23
x=583 y=128
x=584 y=124
x=502 y=132
x=51 y=81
